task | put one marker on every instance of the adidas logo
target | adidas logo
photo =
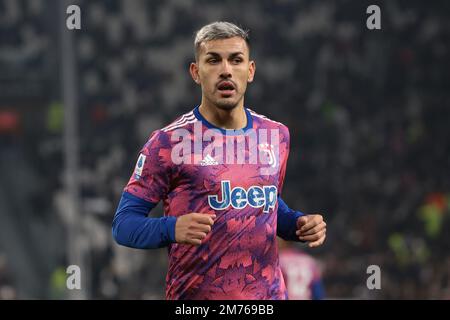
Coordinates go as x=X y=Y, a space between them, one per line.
x=208 y=161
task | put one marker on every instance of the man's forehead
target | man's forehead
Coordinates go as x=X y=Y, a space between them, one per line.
x=224 y=46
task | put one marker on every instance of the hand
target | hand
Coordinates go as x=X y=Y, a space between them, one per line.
x=311 y=228
x=193 y=227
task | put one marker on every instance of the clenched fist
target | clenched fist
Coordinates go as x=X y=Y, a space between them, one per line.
x=193 y=227
x=311 y=228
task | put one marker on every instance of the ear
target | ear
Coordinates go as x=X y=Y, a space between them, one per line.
x=193 y=70
x=251 y=71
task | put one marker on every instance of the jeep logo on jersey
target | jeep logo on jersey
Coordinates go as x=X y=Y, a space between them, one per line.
x=239 y=198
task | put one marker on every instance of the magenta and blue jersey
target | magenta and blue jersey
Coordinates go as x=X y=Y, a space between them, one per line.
x=302 y=275
x=239 y=257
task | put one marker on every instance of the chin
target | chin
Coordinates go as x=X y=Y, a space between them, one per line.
x=225 y=105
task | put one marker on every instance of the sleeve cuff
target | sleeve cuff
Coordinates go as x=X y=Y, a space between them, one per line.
x=170 y=223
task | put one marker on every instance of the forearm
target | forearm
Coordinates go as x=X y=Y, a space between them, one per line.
x=132 y=228
x=287 y=221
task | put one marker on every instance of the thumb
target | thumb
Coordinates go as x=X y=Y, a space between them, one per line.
x=301 y=221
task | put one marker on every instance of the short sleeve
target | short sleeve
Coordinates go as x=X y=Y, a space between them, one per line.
x=284 y=155
x=152 y=174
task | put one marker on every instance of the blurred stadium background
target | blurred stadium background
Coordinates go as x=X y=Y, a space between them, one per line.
x=368 y=113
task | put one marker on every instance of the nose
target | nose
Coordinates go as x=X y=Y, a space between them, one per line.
x=225 y=71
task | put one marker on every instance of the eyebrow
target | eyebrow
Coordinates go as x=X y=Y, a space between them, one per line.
x=232 y=55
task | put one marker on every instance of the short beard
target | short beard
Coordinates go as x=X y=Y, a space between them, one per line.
x=226 y=105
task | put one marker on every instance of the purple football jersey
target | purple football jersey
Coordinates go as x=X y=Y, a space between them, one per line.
x=237 y=175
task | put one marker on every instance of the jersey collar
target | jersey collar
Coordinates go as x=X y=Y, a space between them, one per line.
x=208 y=124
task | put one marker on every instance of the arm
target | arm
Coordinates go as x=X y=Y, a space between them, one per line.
x=287 y=221
x=297 y=226
x=148 y=185
x=132 y=228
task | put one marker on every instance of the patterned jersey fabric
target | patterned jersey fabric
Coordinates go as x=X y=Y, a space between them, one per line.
x=235 y=174
x=300 y=272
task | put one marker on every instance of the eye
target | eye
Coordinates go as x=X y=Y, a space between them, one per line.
x=237 y=60
x=212 y=61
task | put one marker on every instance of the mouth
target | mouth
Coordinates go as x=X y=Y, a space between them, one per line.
x=226 y=88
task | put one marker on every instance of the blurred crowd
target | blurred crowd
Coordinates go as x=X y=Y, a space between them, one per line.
x=368 y=113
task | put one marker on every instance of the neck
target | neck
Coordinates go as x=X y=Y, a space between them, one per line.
x=235 y=118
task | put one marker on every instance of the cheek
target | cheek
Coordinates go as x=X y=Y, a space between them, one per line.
x=243 y=86
x=244 y=75
x=206 y=81
x=243 y=78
